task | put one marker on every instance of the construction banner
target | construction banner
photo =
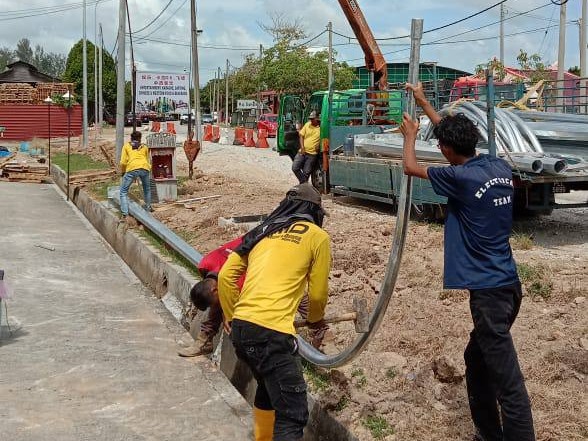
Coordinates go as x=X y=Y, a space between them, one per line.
x=162 y=92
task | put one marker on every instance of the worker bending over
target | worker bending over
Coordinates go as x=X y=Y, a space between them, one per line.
x=283 y=256
x=478 y=257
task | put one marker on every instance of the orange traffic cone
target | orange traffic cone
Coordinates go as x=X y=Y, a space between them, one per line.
x=262 y=139
x=249 y=141
x=171 y=128
x=215 y=133
x=239 y=136
x=155 y=126
x=207 y=133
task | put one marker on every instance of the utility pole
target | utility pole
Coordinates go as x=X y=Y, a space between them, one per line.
x=213 y=102
x=502 y=34
x=583 y=73
x=259 y=109
x=100 y=102
x=95 y=73
x=330 y=29
x=195 y=73
x=227 y=93
x=85 y=83
x=561 y=57
x=218 y=94
x=120 y=80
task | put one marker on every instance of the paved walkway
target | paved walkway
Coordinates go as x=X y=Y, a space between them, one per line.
x=94 y=358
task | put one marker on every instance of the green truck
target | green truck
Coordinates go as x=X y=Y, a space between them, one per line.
x=344 y=114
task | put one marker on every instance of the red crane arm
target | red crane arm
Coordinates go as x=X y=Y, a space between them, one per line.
x=374 y=60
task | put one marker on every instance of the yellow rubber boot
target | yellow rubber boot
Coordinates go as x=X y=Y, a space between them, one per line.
x=263 y=424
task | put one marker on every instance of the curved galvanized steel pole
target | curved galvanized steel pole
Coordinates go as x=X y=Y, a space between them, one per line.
x=377 y=315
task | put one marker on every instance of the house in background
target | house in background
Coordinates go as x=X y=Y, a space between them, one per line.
x=23 y=112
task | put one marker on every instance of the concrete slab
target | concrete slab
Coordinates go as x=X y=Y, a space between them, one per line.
x=95 y=355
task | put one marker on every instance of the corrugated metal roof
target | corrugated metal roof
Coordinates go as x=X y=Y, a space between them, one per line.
x=25 y=122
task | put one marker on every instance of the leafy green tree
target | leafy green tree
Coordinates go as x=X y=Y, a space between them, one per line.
x=74 y=74
x=496 y=65
x=48 y=62
x=574 y=70
x=534 y=65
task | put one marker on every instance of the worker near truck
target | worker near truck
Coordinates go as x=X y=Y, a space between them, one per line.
x=286 y=254
x=307 y=156
x=134 y=163
x=478 y=258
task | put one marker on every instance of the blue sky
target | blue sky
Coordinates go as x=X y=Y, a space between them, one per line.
x=231 y=29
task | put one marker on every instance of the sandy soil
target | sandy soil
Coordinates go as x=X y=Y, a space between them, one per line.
x=410 y=378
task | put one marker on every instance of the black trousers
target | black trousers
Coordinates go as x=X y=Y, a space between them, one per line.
x=303 y=165
x=493 y=374
x=272 y=357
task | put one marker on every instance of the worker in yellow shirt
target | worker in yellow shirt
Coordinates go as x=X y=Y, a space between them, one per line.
x=287 y=254
x=134 y=163
x=307 y=156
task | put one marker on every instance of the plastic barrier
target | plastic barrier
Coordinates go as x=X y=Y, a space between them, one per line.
x=262 y=139
x=171 y=128
x=239 y=136
x=215 y=133
x=249 y=141
x=207 y=136
x=155 y=126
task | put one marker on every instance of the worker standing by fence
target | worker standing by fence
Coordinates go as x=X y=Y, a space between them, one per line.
x=478 y=257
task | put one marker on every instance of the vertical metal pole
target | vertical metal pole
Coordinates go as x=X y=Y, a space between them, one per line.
x=195 y=72
x=583 y=73
x=259 y=109
x=490 y=112
x=227 y=94
x=49 y=122
x=100 y=97
x=502 y=34
x=218 y=94
x=561 y=58
x=120 y=80
x=416 y=33
x=213 y=102
x=95 y=72
x=68 y=136
x=330 y=80
x=85 y=84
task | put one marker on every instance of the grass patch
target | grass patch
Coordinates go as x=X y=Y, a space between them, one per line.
x=78 y=162
x=342 y=403
x=378 y=426
x=360 y=378
x=167 y=252
x=536 y=280
x=391 y=373
x=319 y=380
x=100 y=189
x=522 y=241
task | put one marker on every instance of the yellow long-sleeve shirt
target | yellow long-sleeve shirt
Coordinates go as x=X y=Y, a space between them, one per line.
x=134 y=159
x=278 y=270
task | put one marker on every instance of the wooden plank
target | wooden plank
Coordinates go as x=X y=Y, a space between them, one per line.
x=107 y=155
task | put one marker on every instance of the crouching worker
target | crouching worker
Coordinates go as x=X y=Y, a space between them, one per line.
x=281 y=258
x=204 y=295
x=134 y=163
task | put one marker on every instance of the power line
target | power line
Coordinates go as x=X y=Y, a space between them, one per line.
x=434 y=29
x=156 y=17
x=162 y=24
x=48 y=11
x=217 y=47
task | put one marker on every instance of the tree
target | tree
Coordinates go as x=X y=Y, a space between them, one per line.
x=23 y=51
x=6 y=57
x=534 y=65
x=496 y=65
x=74 y=74
x=49 y=63
x=574 y=70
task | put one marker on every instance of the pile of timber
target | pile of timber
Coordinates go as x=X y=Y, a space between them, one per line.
x=91 y=177
x=17 y=171
x=23 y=93
x=190 y=204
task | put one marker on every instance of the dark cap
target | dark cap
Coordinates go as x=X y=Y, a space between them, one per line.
x=304 y=192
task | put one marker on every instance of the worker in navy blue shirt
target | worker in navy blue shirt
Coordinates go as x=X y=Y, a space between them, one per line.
x=478 y=258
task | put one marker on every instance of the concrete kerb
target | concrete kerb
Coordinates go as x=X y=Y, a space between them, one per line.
x=171 y=283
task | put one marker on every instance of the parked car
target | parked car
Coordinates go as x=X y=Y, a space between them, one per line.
x=269 y=122
x=184 y=118
x=206 y=118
